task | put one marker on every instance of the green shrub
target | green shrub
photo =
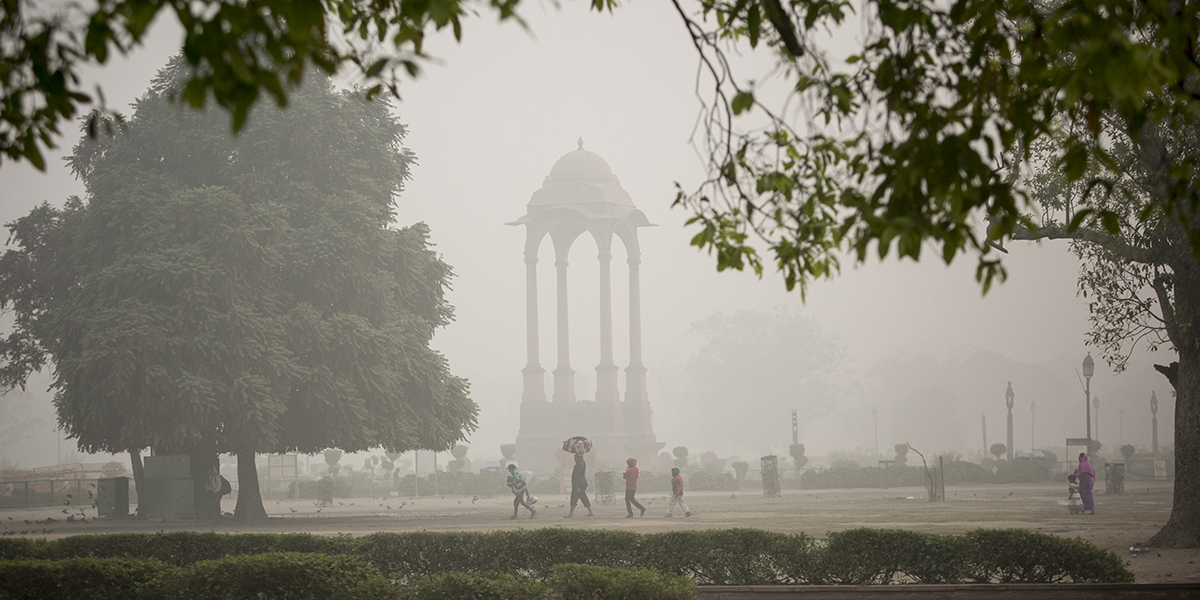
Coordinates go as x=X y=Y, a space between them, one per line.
x=585 y=582
x=13 y=548
x=495 y=586
x=280 y=576
x=880 y=556
x=91 y=578
x=714 y=557
x=183 y=548
x=730 y=557
x=1017 y=555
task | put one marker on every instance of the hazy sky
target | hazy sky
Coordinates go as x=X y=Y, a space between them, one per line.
x=488 y=122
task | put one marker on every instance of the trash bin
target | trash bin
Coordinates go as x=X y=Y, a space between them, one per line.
x=112 y=497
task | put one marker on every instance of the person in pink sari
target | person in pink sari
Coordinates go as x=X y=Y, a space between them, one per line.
x=1087 y=479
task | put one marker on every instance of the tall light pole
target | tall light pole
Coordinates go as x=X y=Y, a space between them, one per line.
x=1008 y=401
x=1096 y=409
x=1089 y=368
x=983 y=418
x=1032 y=426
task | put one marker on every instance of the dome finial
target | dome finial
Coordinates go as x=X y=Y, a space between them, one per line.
x=580 y=142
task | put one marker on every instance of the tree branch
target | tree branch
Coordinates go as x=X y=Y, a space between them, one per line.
x=1168 y=312
x=1117 y=245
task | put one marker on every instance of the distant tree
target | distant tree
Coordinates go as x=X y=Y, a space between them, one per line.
x=711 y=463
x=460 y=463
x=760 y=358
x=740 y=468
x=997 y=450
x=332 y=457
x=1094 y=448
x=796 y=451
x=1128 y=451
x=243 y=295
x=508 y=451
x=902 y=454
x=681 y=456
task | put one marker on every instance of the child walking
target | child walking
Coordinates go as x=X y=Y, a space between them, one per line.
x=632 y=472
x=516 y=482
x=1074 y=500
x=677 y=494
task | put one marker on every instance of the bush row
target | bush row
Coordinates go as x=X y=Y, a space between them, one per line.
x=713 y=557
x=957 y=472
x=297 y=576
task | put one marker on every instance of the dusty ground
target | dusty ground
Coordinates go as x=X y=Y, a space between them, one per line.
x=1120 y=522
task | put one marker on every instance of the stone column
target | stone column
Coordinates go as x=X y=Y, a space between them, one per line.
x=606 y=371
x=564 y=376
x=635 y=374
x=534 y=375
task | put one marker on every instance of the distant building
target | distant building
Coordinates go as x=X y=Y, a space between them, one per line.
x=582 y=195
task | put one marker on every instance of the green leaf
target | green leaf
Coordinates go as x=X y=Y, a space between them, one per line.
x=742 y=102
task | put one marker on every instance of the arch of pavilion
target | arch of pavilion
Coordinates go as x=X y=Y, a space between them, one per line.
x=582 y=195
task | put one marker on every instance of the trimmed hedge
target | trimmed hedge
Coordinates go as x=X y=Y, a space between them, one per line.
x=711 y=557
x=91 y=578
x=566 y=582
x=281 y=576
x=585 y=582
x=992 y=555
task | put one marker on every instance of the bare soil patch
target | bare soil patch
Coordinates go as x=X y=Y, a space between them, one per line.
x=1120 y=522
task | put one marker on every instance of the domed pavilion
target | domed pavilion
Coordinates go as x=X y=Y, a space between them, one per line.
x=582 y=195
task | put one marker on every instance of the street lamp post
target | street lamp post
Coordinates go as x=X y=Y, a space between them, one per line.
x=983 y=421
x=1008 y=401
x=1089 y=368
x=1096 y=409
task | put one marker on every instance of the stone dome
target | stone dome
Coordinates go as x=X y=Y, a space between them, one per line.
x=581 y=164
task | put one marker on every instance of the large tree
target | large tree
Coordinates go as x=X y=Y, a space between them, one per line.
x=919 y=139
x=244 y=295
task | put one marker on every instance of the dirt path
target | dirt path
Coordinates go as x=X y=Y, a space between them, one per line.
x=1121 y=522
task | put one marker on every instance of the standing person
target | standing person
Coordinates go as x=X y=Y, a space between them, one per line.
x=1087 y=479
x=632 y=472
x=516 y=482
x=213 y=485
x=579 y=487
x=677 y=494
x=1074 y=501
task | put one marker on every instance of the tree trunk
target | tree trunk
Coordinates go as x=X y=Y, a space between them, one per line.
x=249 y=501
x=1183 y=527
x=139 y=478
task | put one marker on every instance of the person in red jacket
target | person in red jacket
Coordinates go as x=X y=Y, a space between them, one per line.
x=631 y=476
x=677 y=494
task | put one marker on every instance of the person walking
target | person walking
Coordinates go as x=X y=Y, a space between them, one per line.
x=516 y=482
x=677 y=494
x=579 y=487
x=631 y=476
x=1087 y=479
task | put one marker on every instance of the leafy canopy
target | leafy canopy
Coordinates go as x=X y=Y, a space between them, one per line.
x=237 y=294
x=919 y=134
x=237 y=51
